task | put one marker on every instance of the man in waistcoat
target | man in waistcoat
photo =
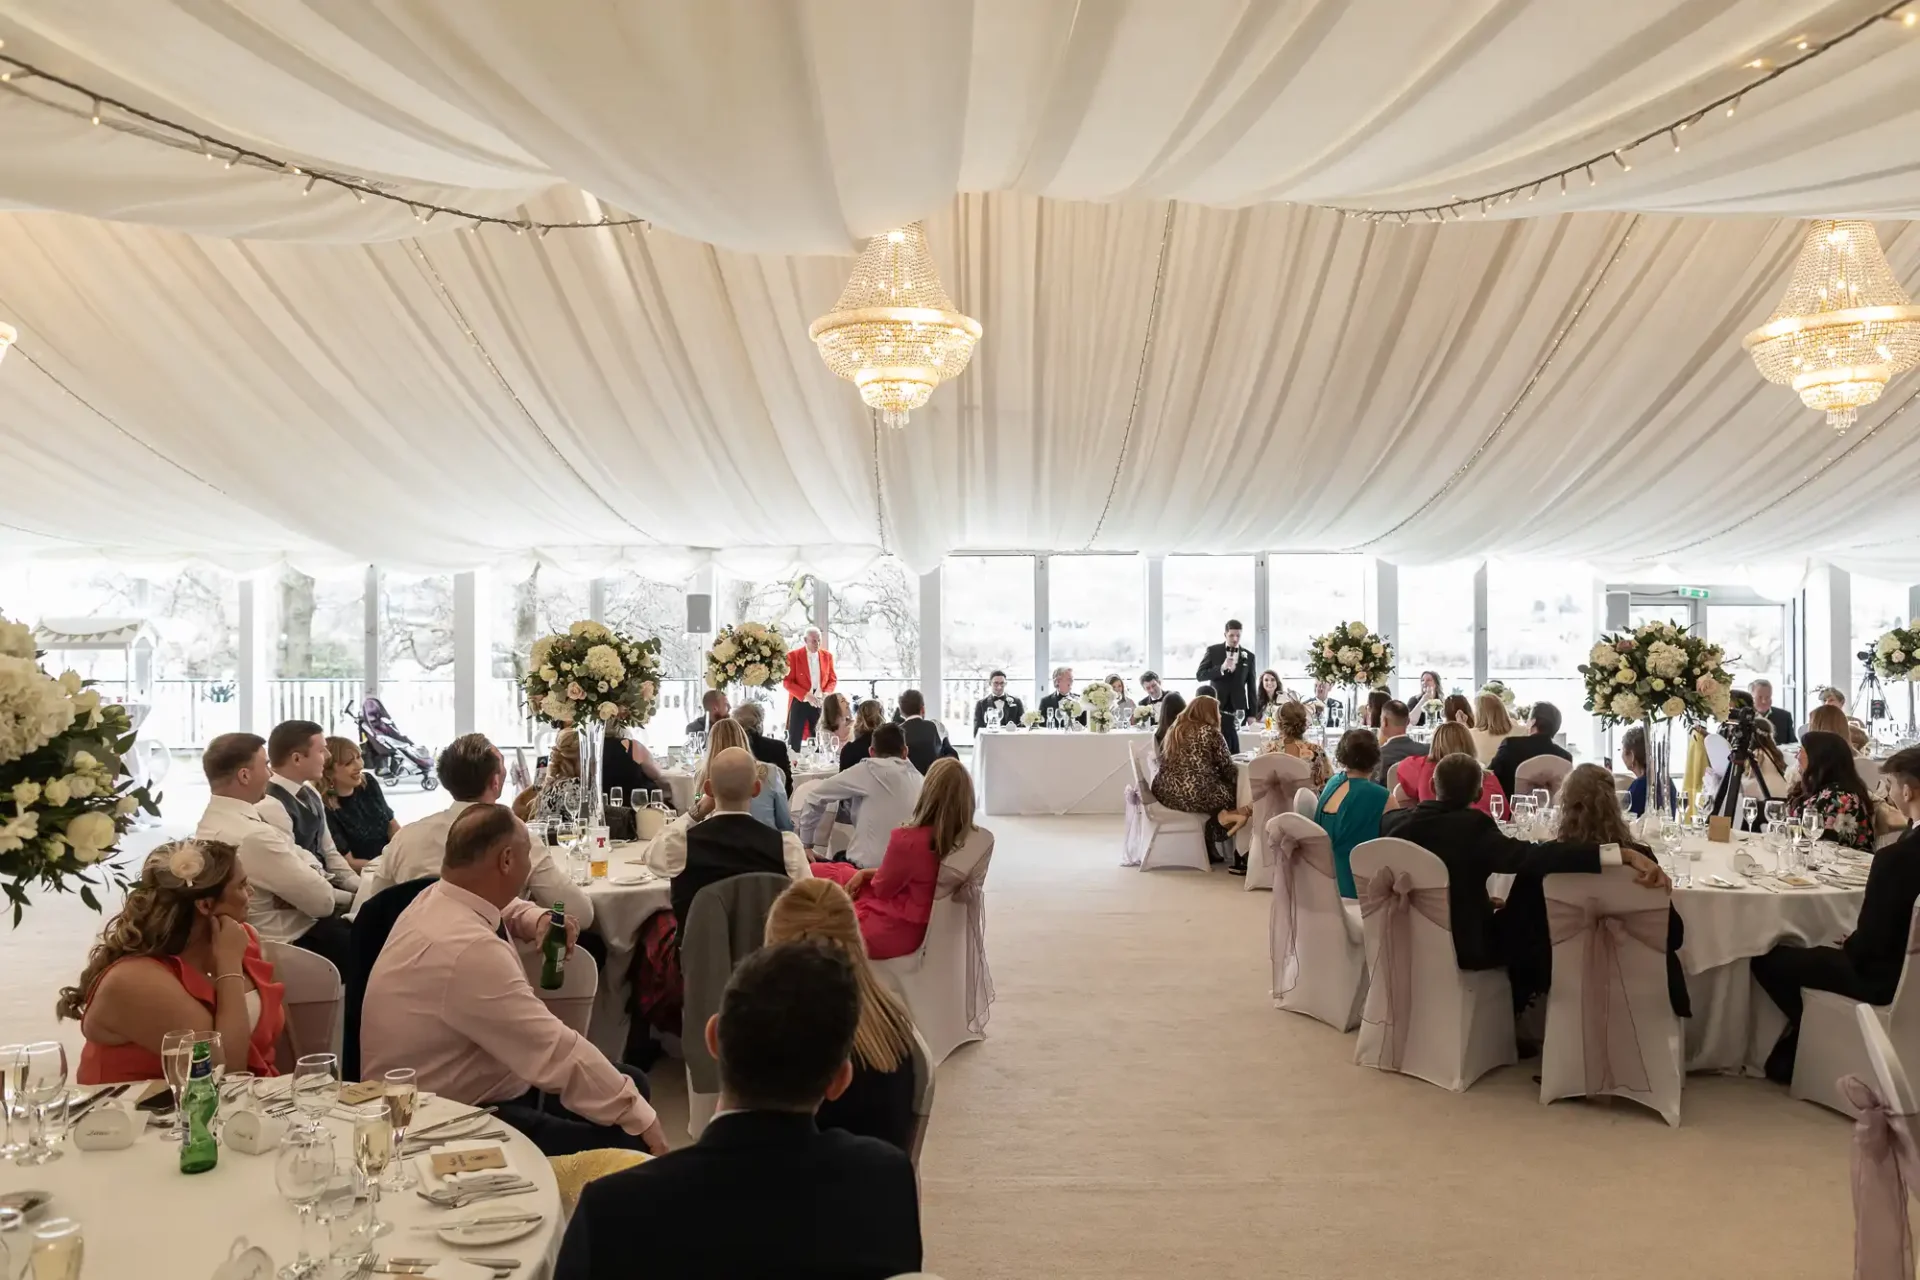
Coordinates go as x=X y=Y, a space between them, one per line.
x=297 y=758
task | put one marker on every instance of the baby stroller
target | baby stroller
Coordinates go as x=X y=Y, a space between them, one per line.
x=387 y=752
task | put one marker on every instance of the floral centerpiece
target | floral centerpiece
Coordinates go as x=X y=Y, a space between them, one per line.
x=752 y=654
x=1499 y=690
x=1098 y=700
x=1146 y=715
x=1896 y=656
x=1031 y=719
x=1653 y=675
x=1353 y=655
x=595 y=679
x=64 y=800
x=1431 y=709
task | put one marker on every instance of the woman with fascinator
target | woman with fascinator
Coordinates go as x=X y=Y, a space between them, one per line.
x=179 y=955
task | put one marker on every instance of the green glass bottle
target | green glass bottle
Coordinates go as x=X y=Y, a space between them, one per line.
x=200 y=1152
x=553 y=967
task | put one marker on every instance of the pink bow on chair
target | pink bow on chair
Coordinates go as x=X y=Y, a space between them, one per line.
x=1886 y=1167
x=1285 y=946
x=1610 y=1041
x=1394 y=891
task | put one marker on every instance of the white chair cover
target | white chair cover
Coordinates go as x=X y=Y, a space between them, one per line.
x=1886 y=1162
x=1306 y=802
x=947 y=984
x=1541 y=771
x=1424 y=1015
x=1272 y=780
x=573 y=1002
x=313 y=999
x=1319 y=957
x=1830 y=1043
x=1611 y=1028
x=925 y=1078
x=1157 y=836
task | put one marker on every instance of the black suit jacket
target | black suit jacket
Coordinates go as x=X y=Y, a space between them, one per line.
x=700 y=724
x=1473 y=847
x=1782 y=726
x=1011 y=709
x=1231 y=734
x=858 y=748
x=763 y=1193
x=1878 y=944
x=1053 y=700
x=1514 y=752
x=1234 y=687
x=925 y=743
x=724 y=846
x=1392 y=752
x=774 y=752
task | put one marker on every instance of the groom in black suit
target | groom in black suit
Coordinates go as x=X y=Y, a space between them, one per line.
x=1229 y=669
x=764 y=1192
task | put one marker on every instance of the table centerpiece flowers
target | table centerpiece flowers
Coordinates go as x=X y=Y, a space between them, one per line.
x=596 y=680
x=751 y=654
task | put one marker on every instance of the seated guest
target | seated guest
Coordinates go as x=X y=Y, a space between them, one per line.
x=765 y=1191
x=926 y=739
x=870 y=715
x=882 y=791
x=1827 y=718
x=1416 y=775
x=713 y=709
x=471 y=770
x=179 y=955
x=1517 y=750
x=1633 y=758
x=563 y=766
x=358 y=815
x=879 y=1101
x=449 y=997
x=1832 y=697
x=1590 y=813
x=1268 y=696
x=769 y=802
x=292 y=901
x=1867 y=965
x=1197 y=775
x=1150 y=691
x=1002 y=706
x=1062 y=690
x=1396 y=744
x=895 y=901
x=627 y=764
x=730 y=841
x=1768 y=777
x=297 y=762
x=1778 y=717
x=1473 y=847
x=836 y=723
x=1457 y=710
x=1831 y=798
x=1336 y=710
x=1351 y=803
x=1375 y=707
x=1228 y=730
x=752 y=717
x=1169 y=709
x=1857 y=737
x=1293 y=741
x=1430 y=691
x=1491 y=726
x=1122 y=710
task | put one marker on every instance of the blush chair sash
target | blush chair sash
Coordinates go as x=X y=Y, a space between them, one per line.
x=1394 y=893
x=1610 y=1041
x=1886 y=1168
x=1287 y=850
x=968 y=891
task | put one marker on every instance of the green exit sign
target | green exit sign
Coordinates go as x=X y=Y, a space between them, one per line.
x=1693 y=593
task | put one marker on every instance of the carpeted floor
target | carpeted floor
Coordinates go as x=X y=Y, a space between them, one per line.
x=1141 y=1110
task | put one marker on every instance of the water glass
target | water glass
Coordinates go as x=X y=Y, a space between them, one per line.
x=43 y=1086
x=1776 y=811
x=176 y=1061
x=337 y=1210
x=58 y=1250
x=657 y=799
x=316 y=1086
x=1679 y=868
x=1702 y=809
x=301 y=1172
x=616 y=797
x=14 y=1241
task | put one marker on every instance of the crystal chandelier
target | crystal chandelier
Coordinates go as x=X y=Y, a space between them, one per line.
x=894 y=332
x=1844 y=328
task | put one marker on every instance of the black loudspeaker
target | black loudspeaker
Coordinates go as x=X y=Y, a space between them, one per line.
x=1617 y=610
x=699 y=614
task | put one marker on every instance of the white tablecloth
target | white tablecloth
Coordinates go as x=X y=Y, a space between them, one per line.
x=143 y=1218
x=1055 y=771
x=618 y=912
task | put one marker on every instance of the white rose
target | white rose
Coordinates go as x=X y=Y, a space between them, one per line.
x=25 y=793
x=70 y=682
x=91 y=833
x=608 y=710
x=1376 y=651
x=549 y=674
x=1673 y=707
x=56 y=792
x=1899 y=655
x=78 y=785
x=575 y=692
x=1658 y=684
x=16 y=831
x=1623 y=676
x=1356 y=629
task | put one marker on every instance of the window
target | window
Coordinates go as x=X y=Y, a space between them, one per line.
x=1540 y=627
x=318 y=631
x=1878 y=605
x=642 y=607
x=986 y=611
x=1306 y=596
x=1199 y=595
x=1099 y=606
x=416 y=655
x=873 y=626
x=1436 y=625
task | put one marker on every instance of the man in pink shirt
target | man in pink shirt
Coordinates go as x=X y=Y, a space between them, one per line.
x=449 y=998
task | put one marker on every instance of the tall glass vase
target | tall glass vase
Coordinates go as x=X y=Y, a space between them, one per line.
x=593 y=811
x=1660 y=788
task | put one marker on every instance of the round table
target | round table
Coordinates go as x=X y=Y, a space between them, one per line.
x=618 y=912
x=680 y=778
x=142 y=1217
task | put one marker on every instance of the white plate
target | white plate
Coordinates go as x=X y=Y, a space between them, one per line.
x=630 y=876
x=457 y=1232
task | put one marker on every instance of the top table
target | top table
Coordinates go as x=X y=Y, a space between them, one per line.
x=1054 y=770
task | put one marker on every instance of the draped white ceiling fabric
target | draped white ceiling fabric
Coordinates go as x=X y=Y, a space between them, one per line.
x=1182 y=353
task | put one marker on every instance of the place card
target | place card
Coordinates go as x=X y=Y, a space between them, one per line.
x=251 y=1133
x=1720 y=829
x=105 y=1128
x=448 y=1163
x=354 y=1095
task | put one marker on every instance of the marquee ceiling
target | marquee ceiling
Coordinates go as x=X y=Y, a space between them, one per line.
x=1185 y=349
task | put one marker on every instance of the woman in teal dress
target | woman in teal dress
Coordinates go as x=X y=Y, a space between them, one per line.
x=1351 y=803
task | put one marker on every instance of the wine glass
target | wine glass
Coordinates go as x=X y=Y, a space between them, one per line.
x=402 y=1097
x=1671 y=836
x=176 y=1061
x=372 y=1152
x=13 y=1069
x=301 y=1172
x=1776 y=811
x=1498 y=805
x=43 y=1083
x=1702 y=809
x=316 y=1085
x=337 y=1204
x=1542 y=799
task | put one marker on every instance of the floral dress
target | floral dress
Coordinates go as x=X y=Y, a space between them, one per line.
x=1839 y=816
x=1319 y=767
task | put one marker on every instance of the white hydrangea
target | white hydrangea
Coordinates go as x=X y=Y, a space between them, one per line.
x=589 y=630
x=1626 y=705
x=603 y=663
x=34 y=709
x=16 y=639
x=756 y=675
x=1604 y=655
x=542 y=650
x=1665 y=659
x=1348 y=656
x=556 y=707
x=724 y=650
x=1357 y=629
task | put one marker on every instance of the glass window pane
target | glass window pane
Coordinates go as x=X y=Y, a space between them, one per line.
x=1200 y=594
x=1878 y=606
x=1099 y=616
x=1436 y=625
x=1540 y=627
x=986 y=611
x=643 y=607
x=1307 y=595
x=416 y=655
x=1754 y=637
x=873 y=631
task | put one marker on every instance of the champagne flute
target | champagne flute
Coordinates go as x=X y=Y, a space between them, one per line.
x=372 y=1151
x=13 y=1073
x=316 y=1085
x=43 y=1085
x=301 y=1172
x=1498 y=804
x=401 y=1097
x=176 y=1060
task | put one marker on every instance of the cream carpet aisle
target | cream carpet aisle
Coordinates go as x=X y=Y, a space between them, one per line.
x=1142 y=1111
